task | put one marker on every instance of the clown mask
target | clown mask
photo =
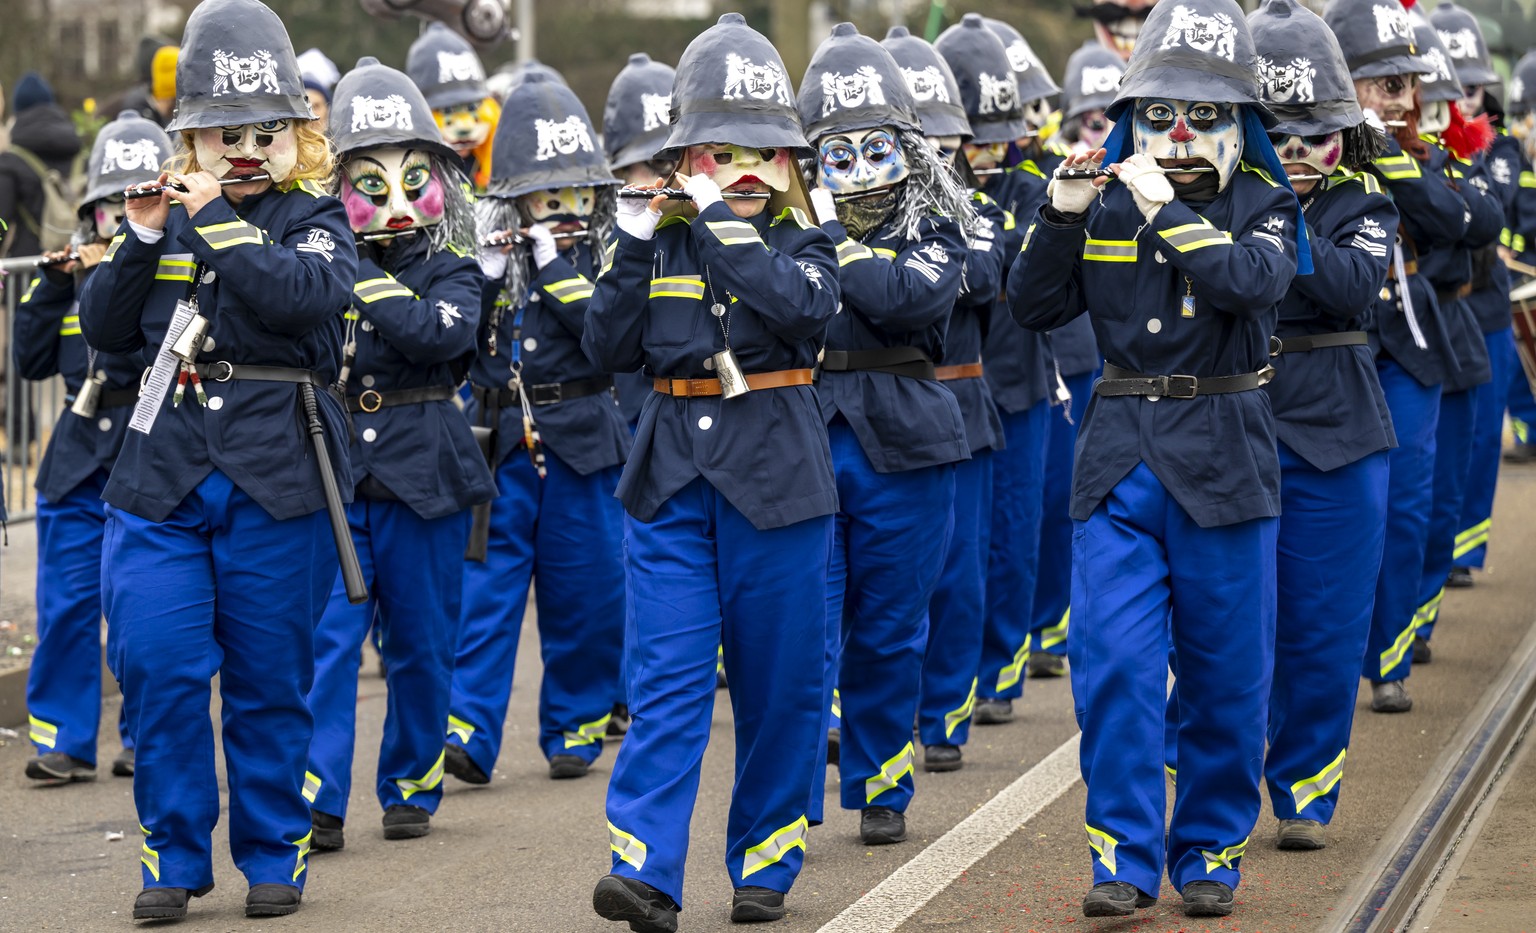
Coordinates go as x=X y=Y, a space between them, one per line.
x=1309 y=159
x=1189 y=134
x=739 y=169
x=1390 y=97
x=1118 y=24
x=463 y=127
x=562 y=210
x=860 y=161
x=108 y=213
x=270 y=148
x=391 y=190
x=1092 y=129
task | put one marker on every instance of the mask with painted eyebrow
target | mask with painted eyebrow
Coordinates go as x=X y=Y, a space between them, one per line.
x=391 y=190
x=270 y=148
x=1189 y=134
x=860 y=161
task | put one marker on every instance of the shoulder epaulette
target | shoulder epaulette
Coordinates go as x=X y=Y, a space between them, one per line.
x=309 y=187
x=1259 y=172
x=795 y=214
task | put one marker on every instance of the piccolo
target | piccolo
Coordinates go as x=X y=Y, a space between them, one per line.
x=152 y=190
x=1394 y=123
x=388 y=234
x=1081 y=174
x=861 y=195
x=504 y=238
x=44 y=262
x=678 y=194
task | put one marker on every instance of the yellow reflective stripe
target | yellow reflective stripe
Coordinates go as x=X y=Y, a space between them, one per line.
x=428 y=781
x=1108 y=250
x=890 y=774
x=1394 y=655
x=1224 y=858
x=1255 y=170
x=852 y=251
x=569 y=290
x=117 y=241
x=1173 y=774
x=312 y=784
x=608 y=254
x=1010 y=674
x=678 y=286
x=795 y=214
x=371 y=290
x=734 y=232
x=720 y=649
x=886 y=254
x=1519 y=244
x=775 y=847
x=1029 y=234
x=69 y=326
x=588 y=732
x=43 y=733
x=1473 y=538
x=1318 y=785
x=231 y=233
x=1028 y=165
x=460 y=728
x=1506 y=238
x=175 y=270
x=1195 y=236
x=1430 y=611
x=1009 y=221
x=309 y=187
x=1522 y=430
x=1055 y=634
x=1104 y=844
x=628 y=848
x=27 y=296
x=301 y=862
x=148 y=856
x=837 y=703
x=955 y=717
x=1403 y=166
x=1528 y=179
x=351 y=315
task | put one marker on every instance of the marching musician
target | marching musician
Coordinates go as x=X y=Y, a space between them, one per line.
x=449 y=73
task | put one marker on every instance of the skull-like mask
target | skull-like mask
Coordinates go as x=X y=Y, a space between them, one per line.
x=270 y=148
x=1189 y=134
x=108 y=213
x=860 y=161
x=391 y=190
x=1390 y=97
x=1309 y=159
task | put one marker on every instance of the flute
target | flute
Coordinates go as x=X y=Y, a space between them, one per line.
x=504 y=238
x=151 y=190
x=678 y=194
x=44 y=262
x=1080 y=174
x=388 y=234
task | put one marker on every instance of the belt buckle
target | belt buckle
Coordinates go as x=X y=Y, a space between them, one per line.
x=555 y=388
x=1185 y=387
x=373 y=396
x=229 y=371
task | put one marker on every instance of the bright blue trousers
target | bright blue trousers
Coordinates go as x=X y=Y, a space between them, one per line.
x=1053 y=584
x=1487 y=445
x=701 y=578
x=1013 y=554
x=1455 y=434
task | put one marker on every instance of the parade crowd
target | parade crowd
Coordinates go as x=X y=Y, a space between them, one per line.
x=864 y=403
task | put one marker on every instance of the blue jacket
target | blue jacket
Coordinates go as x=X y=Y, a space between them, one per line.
x=765 y=451
x=1019 y=365
x=897 y=293
x=1502 y=166
x=1215 y=453
x=542 y=332
x=46 y=341
x=282 y=269
x=1328 y=403
x=968 y=323
x=1073 y=345
x=416 y=315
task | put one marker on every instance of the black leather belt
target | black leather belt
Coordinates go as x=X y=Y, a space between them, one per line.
x=898 y=361
x=546 y=393
x=222 y=371
x=371 y=400
x=1305 y=342
x=117 y=398
x=1118 y=381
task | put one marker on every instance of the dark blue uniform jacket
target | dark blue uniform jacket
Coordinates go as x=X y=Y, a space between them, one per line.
x=1450 y=270
x=968 y=323
x=1501 y=165
x=1019 y=366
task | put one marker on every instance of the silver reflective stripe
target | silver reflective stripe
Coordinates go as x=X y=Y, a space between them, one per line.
x=1318 y=785
x=890 y=774
x=431 y=779
x=775 y=847
x=628 y=848
x=588 y=732
x=1104 y=844
x=301 y=863
x=955 y=717
x=460 y=728
x=148 y=856
x=43 y=733
x=1224 y=858
x=311 y=786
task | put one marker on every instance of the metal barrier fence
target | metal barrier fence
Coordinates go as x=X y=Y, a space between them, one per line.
x=31 y=408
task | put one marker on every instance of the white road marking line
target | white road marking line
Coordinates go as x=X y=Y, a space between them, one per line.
x=914 y=884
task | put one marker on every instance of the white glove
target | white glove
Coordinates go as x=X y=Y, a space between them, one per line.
x=703 y=190
x=493 y=262
x=1073 y=197
x=823 y=205
x=1149 y=185
x=544 y=251
x=636 y=218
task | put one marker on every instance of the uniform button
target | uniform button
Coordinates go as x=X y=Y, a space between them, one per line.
x=706 y=422
x=208 y=345
x=530 y=344
x=1154 y=398
x=709 y=362
x=105 y=424
x=512 y=384
x=1154 y=326
x=1386 y=293
x=209 y=276
x=1159 y=257
x=370 y=435
x=215 y=403
x=368 y=382
x=101 y=374
x=368 y=327
x=534 y=297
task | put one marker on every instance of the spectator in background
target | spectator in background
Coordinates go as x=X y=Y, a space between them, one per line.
x=320 y=76
x=155 y=97
x=42 y=135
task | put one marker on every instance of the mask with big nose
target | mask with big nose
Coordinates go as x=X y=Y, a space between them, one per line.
x=1189 y=134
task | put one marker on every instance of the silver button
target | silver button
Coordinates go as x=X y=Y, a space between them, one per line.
x=208 y=345
x=1154 y=326
x=533 y=297
x=512 y=384
x=209 y=275
x=1157 y=255
x=215 y=403
x=530 y=344
x=101 y=374
x=105 y=424
x=1154 y=398
x=368 y=382
x=706 y=422
x=370 y=435
x=709 y=362
x=367 y=326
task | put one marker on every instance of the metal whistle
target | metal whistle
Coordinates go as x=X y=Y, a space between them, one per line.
x=152 y=190
x=733 y=381
x=190 y=342
x=87 y=399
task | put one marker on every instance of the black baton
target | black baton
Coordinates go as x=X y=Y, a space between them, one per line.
x=346 y=550
x=480 y=516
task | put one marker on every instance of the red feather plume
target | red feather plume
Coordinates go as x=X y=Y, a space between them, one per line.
x=1466 y=138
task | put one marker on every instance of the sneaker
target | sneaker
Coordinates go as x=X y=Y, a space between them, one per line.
x=565 y=767
x=618 y=722
x=1460 y=578
x=271 y=900
x=941 y=758
x=403 y=821
x=1207 y=899
x=1390 y=697
x=881 y=826
x=122 y=765
x=646 y=909
x=325 y=832
x=165 y=903
x=1115 y=899
x=60 y=768
x=756 y=905
x=992 y=711
x=834 y=745
x=1421 y=650
x=1045 y=664
x=456 y=761
x=1300 y=835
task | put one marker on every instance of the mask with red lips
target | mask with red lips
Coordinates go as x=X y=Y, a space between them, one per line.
x=741 y=169
x=391 y=190
x=270 y=148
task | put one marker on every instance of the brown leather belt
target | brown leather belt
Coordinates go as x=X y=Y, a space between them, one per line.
x=685 y=388
x=962 y=371
x=1410 y=267
x=1451 y=294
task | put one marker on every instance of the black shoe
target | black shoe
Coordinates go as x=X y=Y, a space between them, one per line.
x=1460 y=578
x=122 y=765
x=992 y=711
x=1115 y=899
x=1300 y=835
x=1421 y=650
x=1521 y=453
x=165 y=903
x=834 y=745
x=618 y=721
x=456 y=761
x=647 y=909
x=1390 y=697
x=1207 y=899
x=565 y=767
x=60 y=768
x=720 y=683
x=1045 y=664
x=881 y=826
x=941 y=758
x=403 y=821
x=756 y=905
x=325 y=832
x=271 y=900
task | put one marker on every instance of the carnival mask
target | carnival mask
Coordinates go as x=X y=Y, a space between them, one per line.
x=562 y=210
x=1036 y=113
x=270 y=148
x=464 y=127
x=108 y=213
x=1093 y=128
x=737 y=168
x=1309 y=159
x=986 y=158
x=1118 y=25
x=1189 y=134
x=391 y=190
x=859 y=161
x=1435 y=117
x=1471 y=100
x=946 y=146
x=1389 y=97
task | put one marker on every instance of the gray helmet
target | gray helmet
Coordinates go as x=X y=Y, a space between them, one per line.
x=987 y=87
x=128 y=150
x=1193 y=50
x=1093 y=79
x=639 y=105
x=1521 y=93
x=545 y=140
x=1301 y=69
x=731 y=87
x=1439 y=82
x=236 y=67
x=446 y=68
x=1463 y=39
x=853 y=83
x=1375 y=36
x=933 y=86
x=376 y=106
x=1033 y=80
